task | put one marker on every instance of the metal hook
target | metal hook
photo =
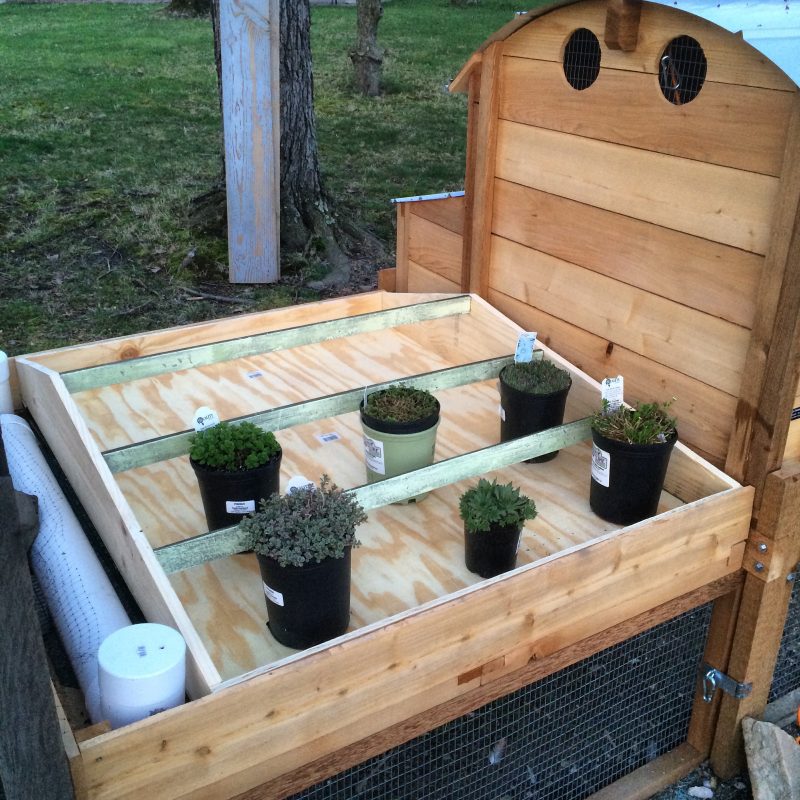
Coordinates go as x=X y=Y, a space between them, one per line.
x=669 y=73
x=709 y=685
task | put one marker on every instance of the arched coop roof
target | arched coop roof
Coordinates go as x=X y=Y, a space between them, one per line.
x=770 y=26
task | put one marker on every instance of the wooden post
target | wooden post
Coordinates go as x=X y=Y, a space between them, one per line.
x=478 y=210
x=765 y=601
x=250 y=104
x=622 y=24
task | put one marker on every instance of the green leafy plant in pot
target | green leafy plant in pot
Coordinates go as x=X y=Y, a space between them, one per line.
x=303 y=541
x=399 y=425
x=533 y=396
x=493 y=515
x=631 y=448
x=236 y=464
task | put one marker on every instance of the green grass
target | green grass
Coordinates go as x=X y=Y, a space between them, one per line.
x=109 y=126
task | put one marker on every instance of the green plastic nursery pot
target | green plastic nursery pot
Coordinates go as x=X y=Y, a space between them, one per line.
x=307 y=605
x=492 y=552
x=627 y=479
x=228 y=496
x=394 y=448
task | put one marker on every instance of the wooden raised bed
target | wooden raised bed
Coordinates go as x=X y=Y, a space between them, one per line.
x=425 y=633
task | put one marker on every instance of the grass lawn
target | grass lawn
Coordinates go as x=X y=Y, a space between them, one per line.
x=109 y=126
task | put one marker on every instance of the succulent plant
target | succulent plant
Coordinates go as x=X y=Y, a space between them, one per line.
x=650 y=423
x=306 y=525
x=401 y=404
x=536 y=377
x=233 y=447
x=489 y=504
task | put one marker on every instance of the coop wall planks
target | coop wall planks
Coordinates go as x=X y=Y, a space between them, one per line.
x=719 y=203
x=201 y=355
x=436 y=248
x=629 y=109
x=419 y=276
x=666 y=332
x=216 y=745
x=718 y=280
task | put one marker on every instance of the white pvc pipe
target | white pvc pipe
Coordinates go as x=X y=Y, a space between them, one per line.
x=6 y=403
x=80 y=597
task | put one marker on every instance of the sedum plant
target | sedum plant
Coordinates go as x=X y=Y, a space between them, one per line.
x=650 y=423
x=489 y=504
x=306 y=525
x=233 y=447
x=536 y=377
x=401 y=404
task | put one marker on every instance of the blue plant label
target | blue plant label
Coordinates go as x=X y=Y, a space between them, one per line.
x=525 y=346
x=611 y=390
x=204 y=418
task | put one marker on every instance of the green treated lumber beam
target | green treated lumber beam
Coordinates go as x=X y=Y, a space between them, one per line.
x=177 y=444
x=229 y=541
x=201 y=355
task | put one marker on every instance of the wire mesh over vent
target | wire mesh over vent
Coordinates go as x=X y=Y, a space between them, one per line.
x=683 y=70
x=582 y=59
x=786 y=677
x=561 y=738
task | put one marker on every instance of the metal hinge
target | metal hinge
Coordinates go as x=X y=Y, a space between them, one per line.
x=713 y=679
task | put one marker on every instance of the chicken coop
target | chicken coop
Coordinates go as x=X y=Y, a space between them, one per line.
x=631 y=194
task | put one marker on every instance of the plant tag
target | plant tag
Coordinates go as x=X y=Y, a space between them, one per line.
x=601 y=465
x=327 y=438
x=298 y=482
x=256 y=373
x=275 y=597
x=611 y=389
x=502 y=413
x=240 y=506
x=204 y=418
x=373 y=455
x=525 y=344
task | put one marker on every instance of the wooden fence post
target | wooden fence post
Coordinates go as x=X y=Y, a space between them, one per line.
x=765 y=600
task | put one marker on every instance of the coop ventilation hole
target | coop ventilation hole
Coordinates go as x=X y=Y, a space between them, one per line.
x=582 y=59
x=682 y=70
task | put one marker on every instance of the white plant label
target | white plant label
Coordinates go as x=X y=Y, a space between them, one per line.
x=601 y=465
x=373 y=455
x=297 y=482
x=240 y=506
x=525 y=344
x=327 y=438
x=256 y=373
x=204 y=418
x=611 y=389
x=271 y=594
x=502 y=413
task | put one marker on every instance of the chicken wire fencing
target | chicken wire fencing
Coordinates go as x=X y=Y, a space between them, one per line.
x=563 y=737
x=786 y=677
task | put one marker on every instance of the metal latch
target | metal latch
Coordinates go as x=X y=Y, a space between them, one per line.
x=713 y=679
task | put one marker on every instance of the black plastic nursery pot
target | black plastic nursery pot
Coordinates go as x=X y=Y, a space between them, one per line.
x=524 y=413
x=492 y=552
x=228 y=496
x=307 y=605
x=627 y=479
x=394 y=448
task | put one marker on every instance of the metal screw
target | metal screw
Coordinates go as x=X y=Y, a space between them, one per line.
x=762 y=548
x=759 y=567
x=790 y=577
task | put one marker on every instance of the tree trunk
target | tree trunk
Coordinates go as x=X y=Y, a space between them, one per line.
x=306 y=215
x=367 y=56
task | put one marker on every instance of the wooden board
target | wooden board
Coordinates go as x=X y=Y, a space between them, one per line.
x=629 y=109
x=419 y=277
x=435 y=248
x=699 y=345
x=729 y=60
x=717 y=203
x=686 y=269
